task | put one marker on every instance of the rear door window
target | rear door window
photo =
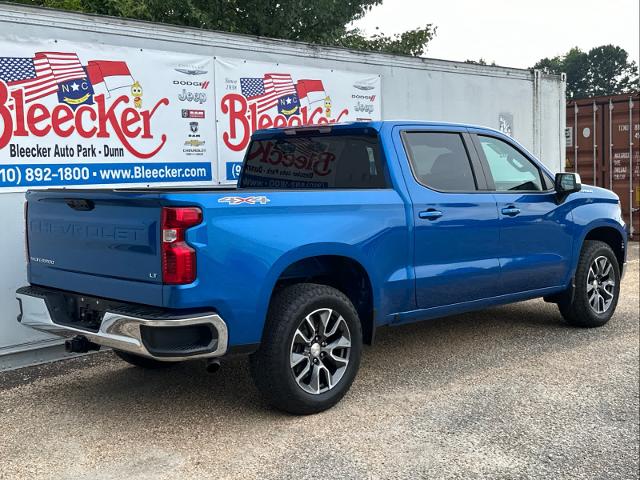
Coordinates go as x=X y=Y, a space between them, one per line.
x=315 y=162
x=440 y=161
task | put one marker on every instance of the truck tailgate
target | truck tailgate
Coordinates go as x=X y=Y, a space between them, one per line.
x=96 y=242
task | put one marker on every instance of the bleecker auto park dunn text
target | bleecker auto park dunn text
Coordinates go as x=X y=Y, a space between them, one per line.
x=63 y=151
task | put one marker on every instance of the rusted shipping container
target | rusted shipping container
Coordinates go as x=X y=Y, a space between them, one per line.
x=603 y=146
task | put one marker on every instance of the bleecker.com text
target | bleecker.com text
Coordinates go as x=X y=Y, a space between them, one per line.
x=18 y=119
x=64 y=151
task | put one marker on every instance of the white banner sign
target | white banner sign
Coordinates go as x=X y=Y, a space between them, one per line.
x=257 y=95
x=78 y=114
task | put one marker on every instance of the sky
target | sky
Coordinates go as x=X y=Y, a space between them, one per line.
x=512 y=33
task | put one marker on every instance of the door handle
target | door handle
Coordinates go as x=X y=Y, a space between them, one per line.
x=510 y=211
x=430 y=214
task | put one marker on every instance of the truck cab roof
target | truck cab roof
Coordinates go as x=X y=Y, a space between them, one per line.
x=377 y=126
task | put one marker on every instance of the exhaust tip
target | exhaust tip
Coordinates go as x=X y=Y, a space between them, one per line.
x=213 y=366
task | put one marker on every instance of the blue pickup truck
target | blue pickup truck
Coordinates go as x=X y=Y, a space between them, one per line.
x=331 y=233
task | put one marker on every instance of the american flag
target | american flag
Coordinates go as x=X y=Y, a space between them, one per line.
x=304 y=146
x=39 y=76
x=266 y=91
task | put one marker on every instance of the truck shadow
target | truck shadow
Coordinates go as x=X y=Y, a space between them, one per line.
x=107 y=392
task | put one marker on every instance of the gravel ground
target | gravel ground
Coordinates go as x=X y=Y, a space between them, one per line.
x=509 y=392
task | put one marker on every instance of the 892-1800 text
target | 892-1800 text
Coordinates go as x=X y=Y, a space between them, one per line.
x=17 y=176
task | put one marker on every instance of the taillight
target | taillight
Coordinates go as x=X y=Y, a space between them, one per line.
x=178 y=258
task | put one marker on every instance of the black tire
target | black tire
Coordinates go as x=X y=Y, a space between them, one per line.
x=271 y=365
x=578 y=311
x=142 y=362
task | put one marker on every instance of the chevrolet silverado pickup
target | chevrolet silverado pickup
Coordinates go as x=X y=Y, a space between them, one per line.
x=332 y=232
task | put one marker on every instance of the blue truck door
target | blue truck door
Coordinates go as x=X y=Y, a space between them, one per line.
x=455 y=219
x=535 y=232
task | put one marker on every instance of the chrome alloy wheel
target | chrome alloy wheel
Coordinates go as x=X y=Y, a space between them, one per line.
x=320 y=351
x=601 y=284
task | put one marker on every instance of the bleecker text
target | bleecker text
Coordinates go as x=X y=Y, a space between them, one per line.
x=244 y=119
x=88 y=121
x=319 y=164
x=37 y=151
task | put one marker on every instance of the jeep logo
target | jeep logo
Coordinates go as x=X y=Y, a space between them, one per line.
x=197 y=97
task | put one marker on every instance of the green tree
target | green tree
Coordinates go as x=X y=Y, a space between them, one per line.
x=480 y=61
x=604 y=70
x=323 y=22
x=611 y=72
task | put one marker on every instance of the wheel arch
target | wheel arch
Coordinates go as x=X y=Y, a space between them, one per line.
x=606 y=231
x=610 y=235
x=338 y=266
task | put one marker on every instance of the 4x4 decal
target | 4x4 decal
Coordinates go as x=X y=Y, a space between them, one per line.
x=261 y=200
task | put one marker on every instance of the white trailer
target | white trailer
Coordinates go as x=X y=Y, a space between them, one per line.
x=529 y=105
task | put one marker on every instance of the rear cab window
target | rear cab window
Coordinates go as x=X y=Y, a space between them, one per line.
x=440 y=161
x=302 y=161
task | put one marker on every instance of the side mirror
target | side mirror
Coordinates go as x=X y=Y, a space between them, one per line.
x=566 y=183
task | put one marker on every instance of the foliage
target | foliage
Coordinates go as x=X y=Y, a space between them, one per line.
x=411 y=42
x=604 y=70
x=323 y=22
x=480 y=61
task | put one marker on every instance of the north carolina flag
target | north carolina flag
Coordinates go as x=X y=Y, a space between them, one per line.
x=311 y=90
x=107 y=75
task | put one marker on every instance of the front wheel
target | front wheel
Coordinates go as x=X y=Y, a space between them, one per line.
x=310 y=352
x=597 y=287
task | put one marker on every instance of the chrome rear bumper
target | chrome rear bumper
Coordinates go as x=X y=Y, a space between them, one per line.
x=123 y=332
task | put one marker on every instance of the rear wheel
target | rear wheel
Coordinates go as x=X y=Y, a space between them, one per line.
x=597 y=286
x=311 y=348
x=142 y=362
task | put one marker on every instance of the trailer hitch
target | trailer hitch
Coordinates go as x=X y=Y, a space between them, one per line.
x=80 y=344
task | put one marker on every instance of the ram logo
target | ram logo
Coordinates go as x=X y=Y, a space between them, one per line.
x=258 y=200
